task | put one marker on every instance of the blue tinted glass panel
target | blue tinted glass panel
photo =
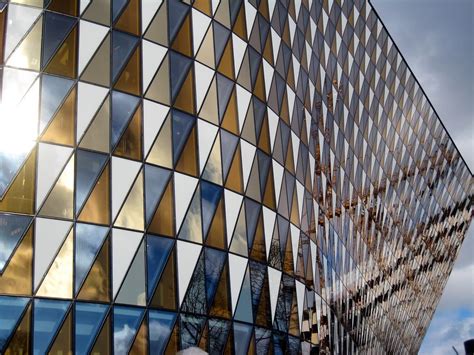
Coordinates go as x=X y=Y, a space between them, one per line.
x=244 y=306
x=182 y=125
x=89 y=239
x=242 y=334
x=160 y=326
x=12 y=228
x=191 y=328
x=11 y=309
x=48 y=317
x=210 y=197
x=224 y=90
x=229 y=143
x=88 y=165
x=179 y=66
x=10 y=162
x=117 y=6
x=158 y=250
x=218 y=333
x=123 y=107
x=53 y=92
x=155 y=183
x=89 y=318
x=177 y=10
x=122 y=46
x=55 y=29
x=126 y=323
x=221 y=34
x=214 y=263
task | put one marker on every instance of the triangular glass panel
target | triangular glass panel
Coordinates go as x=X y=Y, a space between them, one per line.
x=96 y=286
x=132 y=290
x=123 y=107
x=89 y=239
x=228 y=144
x=130 y=144
x=243 y=310
x=177 y=10
x=191 y=329
x=53 y=92
x=88 y=167
x=156 y=180
x=179 y=67
x=242 y=335
x=126 y=323
x=158 y=250
x=218 y=334
x=98 y=11
x=224 y=92
x=97 y=207
x=64 y=62
x=210 y=196
x=122 y=46
x=160 y=325
x=182 y=125
x=11 y=309
x=17 y=276
x=12 y=230
x=51 y=313
x=88 y=320
x=117 y=8
x=56 y=28
x=215 y=261
x=129 y=20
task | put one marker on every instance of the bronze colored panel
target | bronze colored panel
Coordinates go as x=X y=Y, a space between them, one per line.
x=130 y=78
x=64 y=62
x=66 y=7
x=20 y=343
x=21 y=194
x=17 y=276
x=102 y=343
x=163 y=220
x=165 y=293
x=97 y=208
x=96 y=287
x=63 y=343
x=130 y=145
x=129 y=20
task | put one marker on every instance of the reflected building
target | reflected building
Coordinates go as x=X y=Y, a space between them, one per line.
x=244 y=176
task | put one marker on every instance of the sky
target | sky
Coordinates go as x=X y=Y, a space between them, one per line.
x=436 y=38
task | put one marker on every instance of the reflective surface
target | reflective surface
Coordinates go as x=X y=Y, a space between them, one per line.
x=243 y=176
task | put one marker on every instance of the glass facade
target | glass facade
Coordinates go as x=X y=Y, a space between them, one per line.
x=243 y=176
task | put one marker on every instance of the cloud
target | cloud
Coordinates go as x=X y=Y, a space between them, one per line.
x=448 y=329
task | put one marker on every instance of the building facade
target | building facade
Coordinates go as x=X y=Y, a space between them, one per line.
x=243 y=176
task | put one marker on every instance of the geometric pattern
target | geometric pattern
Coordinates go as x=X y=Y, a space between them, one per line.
x=243 y=176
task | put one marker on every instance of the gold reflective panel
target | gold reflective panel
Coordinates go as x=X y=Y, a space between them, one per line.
x=140 y=344
x=183 y=40
x=230 y=121
x=129 y=20
x=221 y=306
x=185 y=98
x=131 y=215
x=130 y=145
x=187 y=163
x=20 y=341
x=20 y=196
x=96 y=287
x=59 y=203
x=161 y=151
x=204 y=6
x=240 y=27
x=66 y=7
x=130 y=78
x=17 y=275
x=226 y=65
x=98 y=69
x=258 y=247
x=234 y=177
x=165 y=293
x=96 y=209
x=62 y=128
x=28 y=54
x=163 y=220
x=102 y=343
x=63 y=343
x=64 y=62
x=216 y=236
x=269 y=193
x=58 y=280
x=97 y=135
